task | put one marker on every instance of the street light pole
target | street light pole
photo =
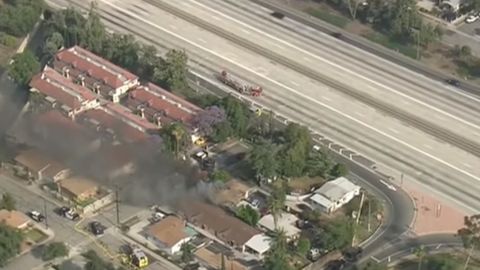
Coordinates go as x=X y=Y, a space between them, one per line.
x=45 y=212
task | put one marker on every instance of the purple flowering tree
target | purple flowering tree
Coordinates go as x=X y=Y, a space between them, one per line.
x=206 y=120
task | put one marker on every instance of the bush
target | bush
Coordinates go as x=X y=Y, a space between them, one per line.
x=54 y=250
x=8 y=40
x=220 y=176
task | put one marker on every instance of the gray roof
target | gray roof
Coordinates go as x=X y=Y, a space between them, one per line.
x=335 y=190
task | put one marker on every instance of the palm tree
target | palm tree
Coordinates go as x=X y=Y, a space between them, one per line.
x=278 y=257
x=420 y=252
x=276 y=202
x=470 y=235
x=176 y=138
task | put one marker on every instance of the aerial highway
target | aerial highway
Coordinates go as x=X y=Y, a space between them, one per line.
x=395 y=122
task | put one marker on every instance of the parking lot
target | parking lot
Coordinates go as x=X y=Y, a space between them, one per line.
x=472 y=29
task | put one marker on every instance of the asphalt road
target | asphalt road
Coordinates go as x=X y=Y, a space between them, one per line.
x=450 y=38
x=362 y=128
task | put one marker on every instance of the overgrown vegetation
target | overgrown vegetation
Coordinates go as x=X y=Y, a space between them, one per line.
x=10 y=240
x=54 y=250
x=17 y=17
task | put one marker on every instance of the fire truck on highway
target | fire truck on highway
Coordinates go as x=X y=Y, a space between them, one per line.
x=239 y=85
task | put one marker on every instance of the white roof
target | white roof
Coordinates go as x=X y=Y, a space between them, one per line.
x=259 y=243
x=321 y=200
x=286 y=222
x=336 y=189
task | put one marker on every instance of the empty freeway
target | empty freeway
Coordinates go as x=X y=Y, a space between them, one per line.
x=404 y=121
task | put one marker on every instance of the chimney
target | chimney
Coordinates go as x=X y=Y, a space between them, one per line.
x=67 y=73
x=142 y=112
x=158 y=121
x=43 y=76
x=82 y=81
x=97 y=89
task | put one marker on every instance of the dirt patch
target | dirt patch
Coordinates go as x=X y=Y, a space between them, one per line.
x=303 y=185
x=357 y=28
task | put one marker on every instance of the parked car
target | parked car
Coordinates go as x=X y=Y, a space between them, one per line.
x=453 y=82
x=201 y=155
x=472 y=18
x=97 y=228
x=68 y=213
x=37 y=216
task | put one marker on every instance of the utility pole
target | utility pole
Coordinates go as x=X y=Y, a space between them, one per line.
x=368 y=217
x=358 y=218
x=45 y=212
x=117 y=206
x=401 y=180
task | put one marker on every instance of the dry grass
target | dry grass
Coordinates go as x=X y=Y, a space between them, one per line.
x=303 y=184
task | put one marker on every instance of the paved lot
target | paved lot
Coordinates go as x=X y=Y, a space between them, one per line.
x=470 y=28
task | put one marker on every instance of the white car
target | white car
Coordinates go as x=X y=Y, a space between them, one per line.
x=472 y=18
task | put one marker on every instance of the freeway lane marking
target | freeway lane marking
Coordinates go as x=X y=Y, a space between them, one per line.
x=335 y=65
x=394 y=130
x=299 y=94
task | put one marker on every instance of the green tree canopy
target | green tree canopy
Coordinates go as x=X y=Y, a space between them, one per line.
x=338 y=234
x=303 y=246
x=295 y=154
x=238 y=115
x=10 y=240
x=94 y=262
x=173 y=74
x=220 y=176
x=278 y=256
x=7 y=202
x=176 y=138
x=264 y=159
x=319 y=163
x=54 y=250
x=248 y=215
x=93 y=33
x=17 y=18
x=52 y=44
x=23 y=67
x=276 y=201
x=187 y=253
x=338 y=170
x=443 y=262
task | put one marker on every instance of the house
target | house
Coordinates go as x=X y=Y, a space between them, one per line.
x=14 y=219
x=286 y=222
x=40 y=167
x=211 y=257
x=91 y=71
x=61 y=93
x=258 y=245
x=169 y=234
x=217 y=222
x=160 y=106
x=114 y=160
x=111 y=127
x=54 y=128
x=78 y=188
x=334 y=194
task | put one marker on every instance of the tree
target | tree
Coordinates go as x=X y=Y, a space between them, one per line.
x=206 y=120
x=18 y=18
x=148 y=61
x=276 y=202
x=52 y=44
x=10 y=240
x=338 y=234
x=470 y=235
x=248 y=215
x=375 y=266
x=319 y=163
x=295 y=154
x=54 y=250
x=187 y=252
x=93 y=34
x=444 y=262
x=122 y=50
x=68 y=22
x=262 y=126
x=94 y=262
x=174 y=73
x=176 y=139
x=220 y=176
x=278 y=256
x=238 y=115
x=338 y=170
x=23 y=67
x=420 y=252
x=7 y=202
x=303 y=246
x=221 y=132
x=264 y=160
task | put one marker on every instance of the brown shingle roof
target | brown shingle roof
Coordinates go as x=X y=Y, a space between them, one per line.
x=226 y=227
x=14 y=219
x=52 y=84
x=215 y=260
x=54 y=121
x=93 y=66
x=32 y=159
x=169 y=230
x=78 y=185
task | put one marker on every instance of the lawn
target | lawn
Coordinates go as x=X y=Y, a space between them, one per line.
x=328 y=16
x=456 y=261
x=35 y=235
x=408 y=50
